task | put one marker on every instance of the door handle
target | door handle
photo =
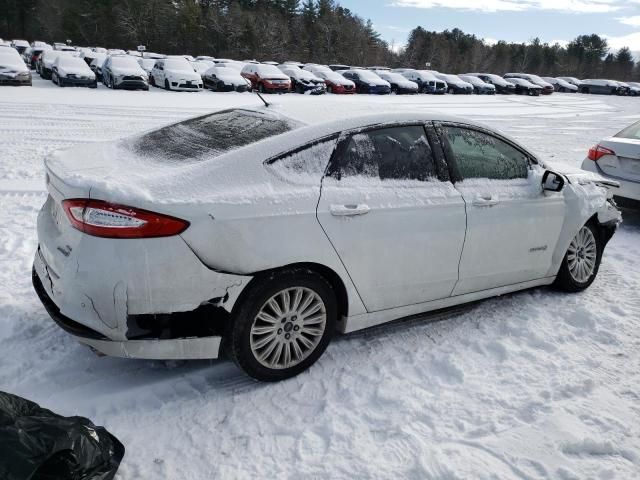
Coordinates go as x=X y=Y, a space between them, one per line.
x=349 y=210
x=486 y=201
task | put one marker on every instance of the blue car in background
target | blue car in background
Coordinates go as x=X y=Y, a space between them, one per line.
x=366 y=81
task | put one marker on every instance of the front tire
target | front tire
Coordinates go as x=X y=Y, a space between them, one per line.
x=582 y=260
x=282 y=325
x=166 y=85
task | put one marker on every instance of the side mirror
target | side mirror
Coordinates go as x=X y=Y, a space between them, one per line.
x=552 y=181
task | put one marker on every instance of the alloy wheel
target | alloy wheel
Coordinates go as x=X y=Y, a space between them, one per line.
x=582 y=255
x=288 y=328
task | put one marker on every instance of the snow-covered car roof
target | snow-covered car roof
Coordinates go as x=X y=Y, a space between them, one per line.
x=176 y=165
x=600 y=81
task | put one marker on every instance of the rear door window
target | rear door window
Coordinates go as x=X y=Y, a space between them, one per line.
x=394 y=153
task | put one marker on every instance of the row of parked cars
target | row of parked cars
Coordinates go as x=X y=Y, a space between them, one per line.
x=81 y=66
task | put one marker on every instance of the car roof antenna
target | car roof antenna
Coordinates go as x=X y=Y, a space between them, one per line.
x=266 y=104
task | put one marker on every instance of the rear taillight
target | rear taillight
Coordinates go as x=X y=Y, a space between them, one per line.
x=104 y=219
x=598 y=151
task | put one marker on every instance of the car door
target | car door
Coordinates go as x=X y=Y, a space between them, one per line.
x=512 y=224
x=392 y=215
x=158 y=75
x=106 y=69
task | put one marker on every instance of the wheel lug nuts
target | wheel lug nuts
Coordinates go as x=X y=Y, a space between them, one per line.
x=279 y=331
x=287 y=336
x=296 y=328
x=294 y=318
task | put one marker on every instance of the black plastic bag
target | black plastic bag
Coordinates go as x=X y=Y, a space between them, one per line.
x=37 y=444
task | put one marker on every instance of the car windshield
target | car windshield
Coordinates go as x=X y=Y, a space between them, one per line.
x=124 y=62
x=68 y=61
x=304 y=74
x=535 y=78
x=10 y=58
x=471 y=79
x=392 y=77
x=177 y=64
x=209 y=136
x=632 y=132
x=225 y=71
x=368 y=76
x=263 y=70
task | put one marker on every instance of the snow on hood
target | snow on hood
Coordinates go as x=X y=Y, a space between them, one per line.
x=118 y=171
x=11 y=63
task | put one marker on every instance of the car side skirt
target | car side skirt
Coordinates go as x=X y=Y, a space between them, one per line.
x=366 y=320
x=152 y=349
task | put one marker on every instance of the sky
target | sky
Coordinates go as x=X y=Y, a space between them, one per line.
x=511 y=20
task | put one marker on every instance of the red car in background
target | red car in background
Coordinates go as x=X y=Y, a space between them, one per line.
x=266 y=78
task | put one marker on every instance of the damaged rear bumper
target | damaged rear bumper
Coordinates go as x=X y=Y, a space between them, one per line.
x=188 y=348
x=139 y=298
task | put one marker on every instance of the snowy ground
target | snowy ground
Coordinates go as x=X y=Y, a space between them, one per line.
x=532 y=385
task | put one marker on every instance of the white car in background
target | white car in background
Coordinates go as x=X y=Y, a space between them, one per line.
x=250 y=229
x=71 y=71
x=13 y=70
x=175 y=73
x=20 y=45
x=617 y=158
x=47 y=59
x=123 y=71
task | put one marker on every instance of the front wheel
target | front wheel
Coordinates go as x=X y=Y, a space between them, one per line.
x=283 y=324
x=166 y=85
x=582 y=260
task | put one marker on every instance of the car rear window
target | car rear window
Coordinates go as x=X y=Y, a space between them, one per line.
x=632 y=131
x=209 y=136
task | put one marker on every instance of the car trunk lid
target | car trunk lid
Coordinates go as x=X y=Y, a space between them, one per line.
x=625 y=163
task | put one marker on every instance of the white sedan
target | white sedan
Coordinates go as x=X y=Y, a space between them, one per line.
x=618 y=158
x=252 y=232
x=175 y=73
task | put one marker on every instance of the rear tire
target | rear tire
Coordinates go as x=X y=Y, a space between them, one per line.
x=272 y=342
x=581 y=263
